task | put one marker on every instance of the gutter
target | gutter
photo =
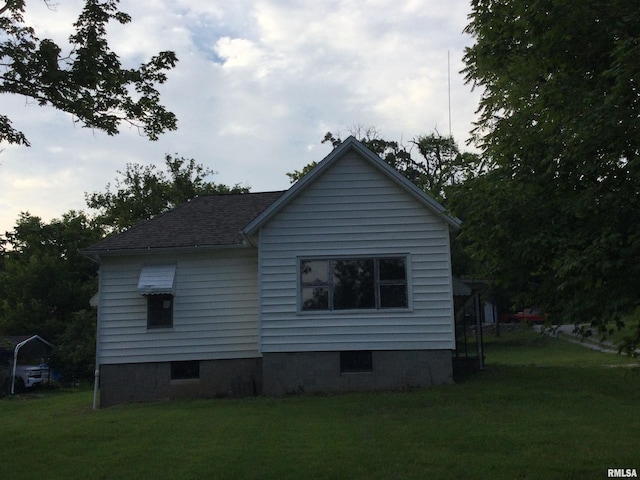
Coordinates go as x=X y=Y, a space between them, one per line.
x=96 y=254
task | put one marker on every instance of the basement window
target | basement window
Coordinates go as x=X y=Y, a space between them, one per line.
x=185 y=370
x=360 y=361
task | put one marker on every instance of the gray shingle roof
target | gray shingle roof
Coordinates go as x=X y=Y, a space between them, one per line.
x=210 y=220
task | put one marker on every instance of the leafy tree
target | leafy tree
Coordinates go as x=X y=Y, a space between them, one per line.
x=88 y=82
x=142 y=192
x=437 y=165
x=45 y=277
x=298 y=174
x=74 y=354
x=45 y=280
x=558 y=218
x=441 y=165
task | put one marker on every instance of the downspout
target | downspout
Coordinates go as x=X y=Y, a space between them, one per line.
x=479 y=342
x=96 y=373
x=96 y=376
x=96 y=383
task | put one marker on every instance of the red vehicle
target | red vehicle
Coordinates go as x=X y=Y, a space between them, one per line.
x=528 y=315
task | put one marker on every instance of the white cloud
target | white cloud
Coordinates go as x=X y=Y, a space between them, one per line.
x=257 y=85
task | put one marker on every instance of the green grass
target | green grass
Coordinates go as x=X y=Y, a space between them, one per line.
x=542 y=409
x=529 y=348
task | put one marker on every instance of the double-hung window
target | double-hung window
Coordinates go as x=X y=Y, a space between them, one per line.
x=353 y=283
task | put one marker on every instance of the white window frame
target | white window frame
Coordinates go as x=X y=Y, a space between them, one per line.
x=377 y=283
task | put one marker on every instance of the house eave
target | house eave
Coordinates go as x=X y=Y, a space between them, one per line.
x=124 y=252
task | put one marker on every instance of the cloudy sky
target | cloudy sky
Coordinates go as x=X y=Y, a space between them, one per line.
x=257 y=85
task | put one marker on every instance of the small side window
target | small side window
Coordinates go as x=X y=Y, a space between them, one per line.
x=159 y=311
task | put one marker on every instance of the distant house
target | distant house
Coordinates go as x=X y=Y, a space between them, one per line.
x=343 y=282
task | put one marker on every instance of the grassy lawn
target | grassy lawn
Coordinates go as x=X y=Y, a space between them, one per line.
x=542 y=409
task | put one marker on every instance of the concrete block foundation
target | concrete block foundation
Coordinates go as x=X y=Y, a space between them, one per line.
x=146 y=382
x=275 y=374
x=319 y=372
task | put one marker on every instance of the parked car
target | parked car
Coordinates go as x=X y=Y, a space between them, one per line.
x=528 y=315
x=27 y=376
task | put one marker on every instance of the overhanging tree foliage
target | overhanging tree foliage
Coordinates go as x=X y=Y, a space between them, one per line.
x=88 y=82
x=558 y=218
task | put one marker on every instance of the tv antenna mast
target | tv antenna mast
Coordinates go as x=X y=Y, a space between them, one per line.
x=449 y=88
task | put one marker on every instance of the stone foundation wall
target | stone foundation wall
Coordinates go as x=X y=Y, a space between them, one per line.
x=319 y=372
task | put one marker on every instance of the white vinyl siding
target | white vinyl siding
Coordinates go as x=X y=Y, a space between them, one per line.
x=215 y=311
x=354 y=210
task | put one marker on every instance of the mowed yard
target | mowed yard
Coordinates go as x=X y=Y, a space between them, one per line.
x=542 y=409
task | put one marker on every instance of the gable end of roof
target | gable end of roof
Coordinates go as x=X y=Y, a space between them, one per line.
x=351 y=143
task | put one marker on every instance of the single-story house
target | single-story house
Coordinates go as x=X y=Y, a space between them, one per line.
x=343 y=282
